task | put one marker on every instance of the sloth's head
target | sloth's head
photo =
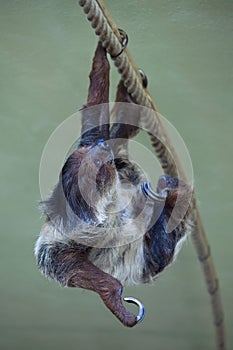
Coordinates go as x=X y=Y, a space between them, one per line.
x=88 y=176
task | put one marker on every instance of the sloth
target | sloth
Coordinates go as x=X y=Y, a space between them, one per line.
x=105 y=227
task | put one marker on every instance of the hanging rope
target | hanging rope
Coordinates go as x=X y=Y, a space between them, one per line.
x=109 y=35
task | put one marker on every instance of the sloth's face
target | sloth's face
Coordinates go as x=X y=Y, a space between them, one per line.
x=89 y=178
x=90 y=171
x=103 y=171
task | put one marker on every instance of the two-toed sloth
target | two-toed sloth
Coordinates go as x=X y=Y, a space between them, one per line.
x=105 y=228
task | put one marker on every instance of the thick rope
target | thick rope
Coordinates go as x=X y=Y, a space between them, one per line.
x=108 y=34
x=107 y=31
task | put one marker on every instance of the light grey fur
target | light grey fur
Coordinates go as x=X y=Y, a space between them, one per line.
x=118 y=243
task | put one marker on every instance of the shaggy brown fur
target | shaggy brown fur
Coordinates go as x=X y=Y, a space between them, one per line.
x=101 y=231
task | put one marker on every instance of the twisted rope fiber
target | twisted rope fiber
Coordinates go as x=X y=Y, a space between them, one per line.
x=107 y=31
x=110 y=38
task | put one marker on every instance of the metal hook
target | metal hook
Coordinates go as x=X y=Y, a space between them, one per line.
x=141 y=312
x=124 y=42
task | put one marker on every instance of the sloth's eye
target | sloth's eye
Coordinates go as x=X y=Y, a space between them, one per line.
x=98 y=162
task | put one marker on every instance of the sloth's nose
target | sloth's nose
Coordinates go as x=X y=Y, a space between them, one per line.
x=103 y=144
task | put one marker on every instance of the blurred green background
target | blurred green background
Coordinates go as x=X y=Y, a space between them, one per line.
x=46 y=48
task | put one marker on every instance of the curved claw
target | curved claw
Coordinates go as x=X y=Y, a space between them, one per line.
x=149 y=192
x=141 y=312
x=144 y=78
x=124 y=38
x=124 y=42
